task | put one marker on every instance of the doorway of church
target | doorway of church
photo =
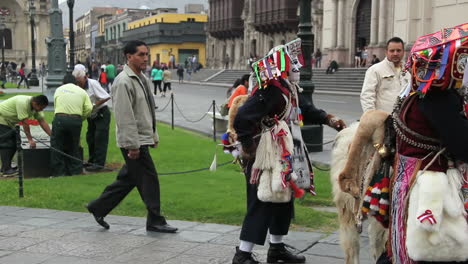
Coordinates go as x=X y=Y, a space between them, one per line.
x=363 y=21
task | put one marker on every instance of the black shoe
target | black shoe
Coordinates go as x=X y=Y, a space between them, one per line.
x=94 y=168
x=242 y=257
x=277 y=253
x=161 y=228
x=99 y=219
x=10 y=172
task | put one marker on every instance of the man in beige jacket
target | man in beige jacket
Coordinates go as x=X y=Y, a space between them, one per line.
x=135 y=120
x=384 y=80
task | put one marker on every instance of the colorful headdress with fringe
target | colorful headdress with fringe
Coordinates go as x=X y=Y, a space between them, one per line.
x=278 y=62
x=438 y=59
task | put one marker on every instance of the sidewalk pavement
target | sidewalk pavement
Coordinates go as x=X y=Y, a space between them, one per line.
x=32 y=236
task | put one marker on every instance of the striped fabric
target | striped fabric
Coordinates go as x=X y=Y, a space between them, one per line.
x=407 y=167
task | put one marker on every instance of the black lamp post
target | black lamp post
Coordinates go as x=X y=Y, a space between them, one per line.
x=33 y=81
x=70 y=4
x=2 y=41
x=312 y=134
x=307 y=37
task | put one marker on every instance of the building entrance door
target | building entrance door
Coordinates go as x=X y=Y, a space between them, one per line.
x=363 y=21
x=187 y=53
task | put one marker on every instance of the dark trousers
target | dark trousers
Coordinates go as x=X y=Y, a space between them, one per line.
x=97 y=136
x=264 y=216
x=140 y=173
x=157 y=86
x=7 y=146
x=23 y=78
x=65 y=137
x=167 y=85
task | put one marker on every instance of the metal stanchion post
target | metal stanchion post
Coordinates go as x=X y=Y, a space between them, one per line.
x=172 y=110
x=20 y=161
x=214 y=120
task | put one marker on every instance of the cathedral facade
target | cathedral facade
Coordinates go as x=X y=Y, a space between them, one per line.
x=238 y=30
x=349 y=25
x=15 y=20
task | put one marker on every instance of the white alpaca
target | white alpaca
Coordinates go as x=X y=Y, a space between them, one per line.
x=348 y=174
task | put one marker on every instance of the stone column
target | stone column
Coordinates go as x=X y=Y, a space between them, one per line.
x=341 y=28
x=334 y=23
x=374 y=23
x=382 y=39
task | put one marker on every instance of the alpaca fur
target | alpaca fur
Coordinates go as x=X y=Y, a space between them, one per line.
x=351 y=152
x=446 y=240
x=371 y=130
x=236 y=103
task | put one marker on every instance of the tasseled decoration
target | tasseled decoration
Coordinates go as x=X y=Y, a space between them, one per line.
x=285 y=158
x=384 y=196
x=300 y=117
x=376 y=197
x=312 y=184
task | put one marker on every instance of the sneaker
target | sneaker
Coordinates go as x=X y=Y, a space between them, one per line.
x=10 y=172
x=277 y=253
x=242 y=257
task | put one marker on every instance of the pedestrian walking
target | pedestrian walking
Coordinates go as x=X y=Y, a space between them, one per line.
x=180 y=73
x=318 y=58
x=167 y=78
x=110 y=71
x=226 y=60
x=103 y=78
x=3 y=75
x=157 y=76
x=22 y=75
x=189 y=73
x=136 y=130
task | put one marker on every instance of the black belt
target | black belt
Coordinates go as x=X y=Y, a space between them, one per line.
x=69 y=115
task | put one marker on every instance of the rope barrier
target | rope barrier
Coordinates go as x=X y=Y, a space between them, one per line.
x=322 y=144
x=164 y=108
x=318 y=168
x=112 y=170
x=188 y=120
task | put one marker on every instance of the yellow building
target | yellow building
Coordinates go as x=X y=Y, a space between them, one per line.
x=180 y=35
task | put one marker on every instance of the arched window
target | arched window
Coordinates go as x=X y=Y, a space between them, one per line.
x=7 y=39
x=118 y=31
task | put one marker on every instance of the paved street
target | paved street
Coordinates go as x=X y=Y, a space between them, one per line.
x=194 y=100
x=33 y=236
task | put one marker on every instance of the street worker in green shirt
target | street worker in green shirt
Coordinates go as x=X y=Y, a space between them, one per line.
x=13 y=110
x=72 y=106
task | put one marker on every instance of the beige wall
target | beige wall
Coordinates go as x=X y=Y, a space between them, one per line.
x=407 y=19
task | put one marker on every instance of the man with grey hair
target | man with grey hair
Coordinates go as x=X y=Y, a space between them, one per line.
x=97 y=135
x=72 y=105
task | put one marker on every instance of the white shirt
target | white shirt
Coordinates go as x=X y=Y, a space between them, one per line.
x=96 y=92
x=382 y=85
